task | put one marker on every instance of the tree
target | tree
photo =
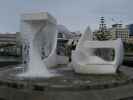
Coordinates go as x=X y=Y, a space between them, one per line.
x=102 y=35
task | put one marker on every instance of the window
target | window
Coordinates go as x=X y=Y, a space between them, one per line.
x=60 y=35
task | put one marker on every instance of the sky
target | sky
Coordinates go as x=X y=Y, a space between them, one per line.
x=76 y=15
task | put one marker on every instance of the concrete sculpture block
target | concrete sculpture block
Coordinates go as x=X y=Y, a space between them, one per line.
x=39 y=37
x=85 y=61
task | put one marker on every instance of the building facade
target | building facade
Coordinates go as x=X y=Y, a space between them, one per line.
x=10 y=50
x=118 y=31
x=130 y=28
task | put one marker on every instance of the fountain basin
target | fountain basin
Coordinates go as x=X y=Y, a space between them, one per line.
x=67 y=86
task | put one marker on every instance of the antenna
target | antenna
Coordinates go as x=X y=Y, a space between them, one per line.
x=102 y=25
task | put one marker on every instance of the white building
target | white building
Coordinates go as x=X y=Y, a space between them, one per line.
x=118 y=31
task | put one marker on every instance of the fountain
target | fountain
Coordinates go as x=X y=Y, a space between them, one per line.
x=39 y=33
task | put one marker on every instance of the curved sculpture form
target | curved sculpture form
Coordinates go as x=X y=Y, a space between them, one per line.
x=39 y=34
x=86 y=62
x=54 y=59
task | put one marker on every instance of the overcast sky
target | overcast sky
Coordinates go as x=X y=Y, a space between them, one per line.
x=74 y=14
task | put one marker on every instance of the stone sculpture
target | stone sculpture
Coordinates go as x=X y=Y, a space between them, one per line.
x=85 y=61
